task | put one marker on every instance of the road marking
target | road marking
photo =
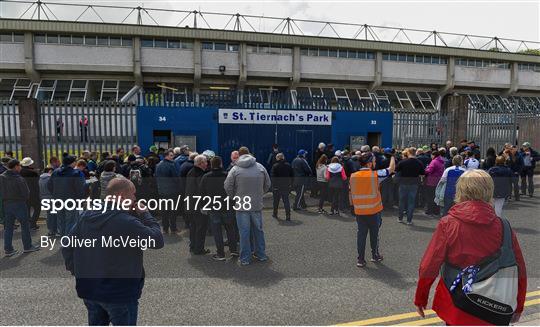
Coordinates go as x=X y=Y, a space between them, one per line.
x=374 y=321
x=531 y=294
x=429 y=321
x=422 y=322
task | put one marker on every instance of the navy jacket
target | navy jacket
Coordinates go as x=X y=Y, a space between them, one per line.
x=502 y=178
x=301 y=171
x=178 y=161
x=110 y=274
x=184 y=170
x=167 y=178
x=67 y=183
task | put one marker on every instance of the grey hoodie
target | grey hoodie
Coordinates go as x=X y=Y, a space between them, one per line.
x=44 y=192
x=248 y=178
x=104 y=180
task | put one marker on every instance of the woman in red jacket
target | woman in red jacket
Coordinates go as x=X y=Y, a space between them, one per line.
x=469 y=233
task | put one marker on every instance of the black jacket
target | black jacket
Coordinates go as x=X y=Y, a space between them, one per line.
x=32 y=180
x=13 y=187
x=110 y=274
x=182 y=173
x=212 y=184
x=282 y=175
x=502 y=178
x=193 y=181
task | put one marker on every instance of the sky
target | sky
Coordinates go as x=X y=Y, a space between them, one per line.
x=504 y=19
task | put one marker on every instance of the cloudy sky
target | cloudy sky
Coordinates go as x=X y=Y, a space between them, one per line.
x=506 y=19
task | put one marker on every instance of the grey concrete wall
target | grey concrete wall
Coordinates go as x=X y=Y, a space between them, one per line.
x=11 y=53
x=167 y=60
x=403 y=72
x=529 y=80
x=269 y=65
x=337 y=68
x=76 y=57
x=482 y=77
x=211 y=60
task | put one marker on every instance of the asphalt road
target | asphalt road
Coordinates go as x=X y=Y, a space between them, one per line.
x=311 y=278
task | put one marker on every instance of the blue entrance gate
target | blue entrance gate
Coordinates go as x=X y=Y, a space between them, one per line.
x=175 y=126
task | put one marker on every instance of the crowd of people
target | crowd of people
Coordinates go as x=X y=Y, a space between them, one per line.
x=362 y=182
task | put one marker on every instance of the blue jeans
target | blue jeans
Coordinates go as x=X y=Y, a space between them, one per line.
x=250 y=222
x=407 y=200
x=371 y=224
x=66 y=220
x=16 y=210
x=103 y=314
x=52 y=222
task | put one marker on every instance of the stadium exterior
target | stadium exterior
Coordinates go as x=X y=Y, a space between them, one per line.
x=410 y=93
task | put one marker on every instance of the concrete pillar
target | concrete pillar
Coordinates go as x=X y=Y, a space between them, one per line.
x=378 y=77
x=197 y=68
x=137 y=69
x=29 y=66
x=29 y=124
x=514 y=79
x=450 y=77
x=454 y=111
x=242 y=64
x=296 y=69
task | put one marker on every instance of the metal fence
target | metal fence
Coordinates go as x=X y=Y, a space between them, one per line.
x=94 y=126
x=10 y=133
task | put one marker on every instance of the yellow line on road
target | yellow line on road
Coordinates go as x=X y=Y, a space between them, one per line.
x=379 y=320
x=531 y=294
x=403 y=316
x=429 y=321
x=435 y=320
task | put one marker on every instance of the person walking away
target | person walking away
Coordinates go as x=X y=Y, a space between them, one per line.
x=67 y=183
x=302 y=171
x=387 y=185
x=463 y=239
x=167 y=183
x=198 y=221
x=110 y=281
x=515 y=162
x=451 y=176
x=32 y=180
x=315 y=191
x=83 y=126
x=410 y=170
x=44 y=193
x=106 y=176
x=140 y=175
x=282 y=177
x=59 y=129
x=367 y=205
x=184 y=170
x=335 y=175
x=530 y=157
x=249 y=181
x=502 y=179
x=434 y=172
x=14 y=193
x=470 y=161
x=212 y=185
x=322 y=183
x=271 y=159
x=489 y=161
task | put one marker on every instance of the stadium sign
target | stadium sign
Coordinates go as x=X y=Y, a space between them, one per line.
x=282 y=117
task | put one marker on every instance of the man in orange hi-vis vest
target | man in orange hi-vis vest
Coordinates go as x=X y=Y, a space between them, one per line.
x=366 y=200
